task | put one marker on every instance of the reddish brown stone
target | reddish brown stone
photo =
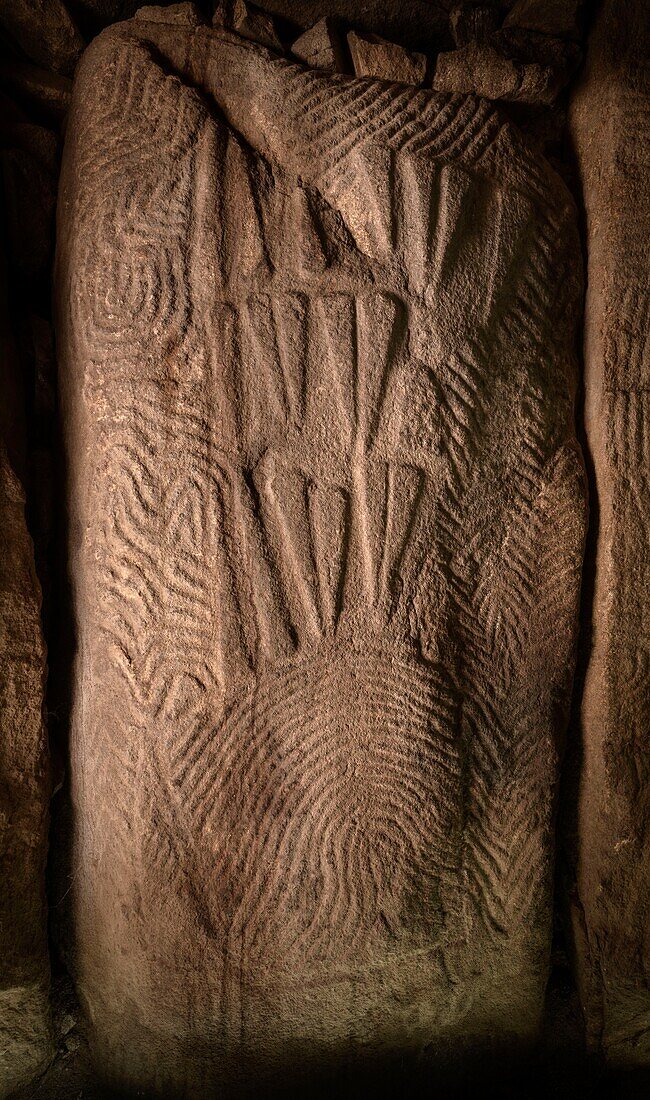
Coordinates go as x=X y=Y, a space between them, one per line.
x=511 y=65
x=186 y=15
x=249 y=22
x=25 y=1036
x=317 y=352
x=321 y=47
x=611 y=847
x=45 y=31
x=373 y=56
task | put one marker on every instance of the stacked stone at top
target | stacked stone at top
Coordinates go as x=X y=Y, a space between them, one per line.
x=528 y=58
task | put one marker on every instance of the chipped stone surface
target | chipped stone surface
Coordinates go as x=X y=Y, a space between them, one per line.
x=249 y=22
x=611 y=850
x=321 y=47
x=45 y=31
x=327 y=517
x=187 y=15
x=479 y=69
x=373 y=56
x=92 y=15
x=512 y=65
x=25 y=1040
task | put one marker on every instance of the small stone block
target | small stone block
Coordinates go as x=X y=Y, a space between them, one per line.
x=185 y=15
x=373 y=56
x=248 y=22
x=321 y=47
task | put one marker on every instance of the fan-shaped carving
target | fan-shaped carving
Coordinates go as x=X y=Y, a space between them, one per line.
x=333 y=520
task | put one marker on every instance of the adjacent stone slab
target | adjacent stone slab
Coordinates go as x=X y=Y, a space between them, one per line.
x=95 y=14
x=49 y=92
x=327 y=514
x=611 y=848
x=510 y=65
x=321 y=47
x=417 y=24
x=373 y=56
x=472 y=23
x=25 y=1039
x=45 y=30
x=187 y=14
x=248 y=21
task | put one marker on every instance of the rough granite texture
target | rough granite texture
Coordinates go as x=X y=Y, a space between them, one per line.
x=25 y=1037
x=44 y=30
x=317 y=347
x=609 y=122
x=321 y=47
x=511 y=65
x=373 y=56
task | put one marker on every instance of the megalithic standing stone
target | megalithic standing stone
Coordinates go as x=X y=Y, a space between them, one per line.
x=317 y=340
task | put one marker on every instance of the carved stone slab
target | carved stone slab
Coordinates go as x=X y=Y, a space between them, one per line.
x=609 y=119
x=317 y=340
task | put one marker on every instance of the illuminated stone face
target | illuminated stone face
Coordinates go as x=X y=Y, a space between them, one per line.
x=317 y=341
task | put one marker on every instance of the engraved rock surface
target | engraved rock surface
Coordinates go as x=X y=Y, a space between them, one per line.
x=609 y=115
x=25 y=1040
x=327 y=515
